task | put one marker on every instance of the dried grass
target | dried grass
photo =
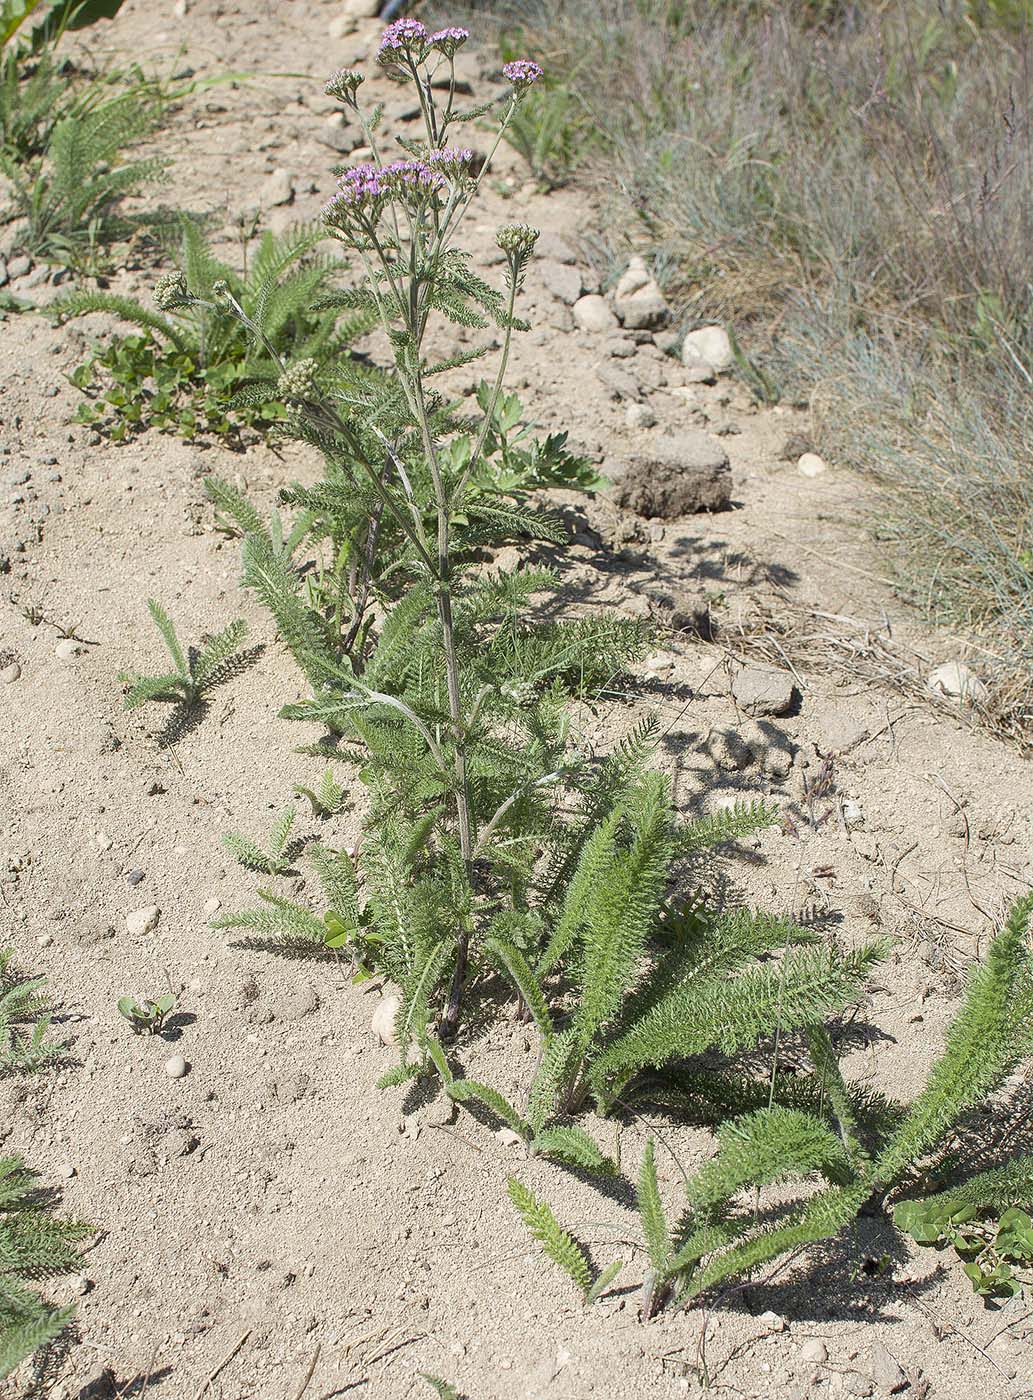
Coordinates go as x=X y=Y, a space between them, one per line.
x=786 y=634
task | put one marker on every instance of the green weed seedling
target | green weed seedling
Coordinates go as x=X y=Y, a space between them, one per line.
x=856 y=1146
x=64 y=137
x=198 y=669
x=35 y=1244
x=146 y=1017
x=443 y=1389
x=67 y=204
x=989 y=1250
x=343 y=927
x=23 y=1021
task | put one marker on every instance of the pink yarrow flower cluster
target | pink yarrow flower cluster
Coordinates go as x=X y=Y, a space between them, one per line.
x=363 y=191
x=522 y=72
x=448 y=40
x=408 y=38
x=402 y=36
x=451 y=156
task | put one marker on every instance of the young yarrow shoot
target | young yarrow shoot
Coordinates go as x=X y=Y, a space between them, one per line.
x=496 y=850
x=36 y=1245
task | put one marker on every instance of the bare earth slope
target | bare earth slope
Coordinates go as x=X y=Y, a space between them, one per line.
x=273 y=1194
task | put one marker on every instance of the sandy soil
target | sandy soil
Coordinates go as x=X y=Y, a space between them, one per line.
x=273 y=1204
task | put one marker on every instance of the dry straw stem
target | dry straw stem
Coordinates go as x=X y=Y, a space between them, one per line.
x=216 y=1371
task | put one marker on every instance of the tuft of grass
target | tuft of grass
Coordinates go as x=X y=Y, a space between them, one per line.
x=852 y=188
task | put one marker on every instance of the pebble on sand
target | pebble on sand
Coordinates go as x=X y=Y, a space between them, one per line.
x=959 y=682
x=141 y=921
x=639 y=415
x=176 y=1067
x=592 y=313
x=810 y=464
x=760 y=691
x=382 y=1023
x=710 y=345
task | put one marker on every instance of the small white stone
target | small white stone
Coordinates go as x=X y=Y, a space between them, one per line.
x=508 y=1138
x=212 y=905
x=382 y=1023
x=639 y=415
x=814 y=1352
x=772 y=1321
x=887 y=1372
x=81 y=1284
x=959 y=682
x=67 y=1171
x=10 y=673
x=141 y=921
x=810 y=464
x=176 y=1067
x=278 y=188
x=45 y=940
x=593 y=313
x=68 y=649
x=711 y=344
x=644 y=308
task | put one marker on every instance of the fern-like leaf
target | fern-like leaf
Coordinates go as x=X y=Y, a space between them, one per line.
x=462 y=1090
x=983 y=1044
x=651 y=1214
x=168 y=634
x=560 y=1247
x=573 y=1147
x=516 y=965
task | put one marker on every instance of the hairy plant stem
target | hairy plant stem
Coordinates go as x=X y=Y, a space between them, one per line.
x=443 y=591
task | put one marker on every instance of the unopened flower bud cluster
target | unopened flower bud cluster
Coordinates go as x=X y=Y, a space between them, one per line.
x=298 y=381
x=171 y=291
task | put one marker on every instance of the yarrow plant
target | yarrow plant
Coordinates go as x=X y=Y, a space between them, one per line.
x=496 y=851
x=455 y=698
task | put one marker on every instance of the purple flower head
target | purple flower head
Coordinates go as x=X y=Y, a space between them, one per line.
x=404 y=38
x=446 y=41
x=364 y=191
x=342 y=84
x=522 y=73
x=450 y=157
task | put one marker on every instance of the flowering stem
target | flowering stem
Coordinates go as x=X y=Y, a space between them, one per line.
x=427 y=196
x=489 y=413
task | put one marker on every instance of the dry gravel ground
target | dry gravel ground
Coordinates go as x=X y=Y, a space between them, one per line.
x=273 y=1197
